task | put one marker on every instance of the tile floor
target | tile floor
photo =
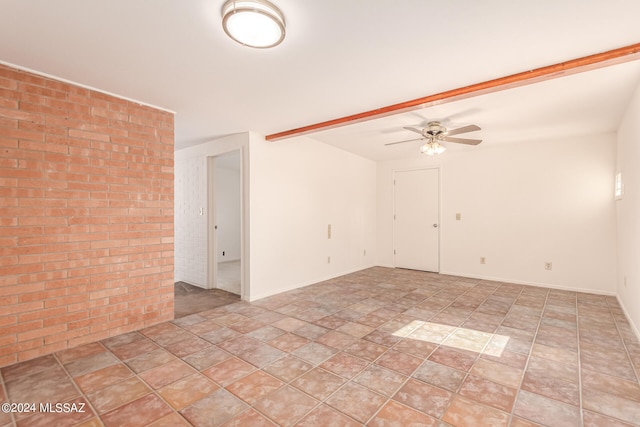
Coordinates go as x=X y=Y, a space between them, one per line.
x=380 y=347
x=189 y=299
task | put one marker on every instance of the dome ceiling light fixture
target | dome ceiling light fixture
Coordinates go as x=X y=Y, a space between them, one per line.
x=253 y=23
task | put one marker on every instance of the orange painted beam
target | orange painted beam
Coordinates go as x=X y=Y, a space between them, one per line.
x=587 y=63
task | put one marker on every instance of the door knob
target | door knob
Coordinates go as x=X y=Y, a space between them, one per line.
x=435 y=225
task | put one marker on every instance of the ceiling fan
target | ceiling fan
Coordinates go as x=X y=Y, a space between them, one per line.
x=434 y=133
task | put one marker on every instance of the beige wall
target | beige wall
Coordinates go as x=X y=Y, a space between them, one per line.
x=299 y=187
x=521 y=205
x=628 y=211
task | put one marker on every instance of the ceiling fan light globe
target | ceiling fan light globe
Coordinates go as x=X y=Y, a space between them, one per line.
x=432 y=148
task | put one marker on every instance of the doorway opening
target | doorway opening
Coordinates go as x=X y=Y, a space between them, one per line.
x=225 y=223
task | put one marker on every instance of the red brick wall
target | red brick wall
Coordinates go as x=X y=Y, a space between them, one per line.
x=86 y=215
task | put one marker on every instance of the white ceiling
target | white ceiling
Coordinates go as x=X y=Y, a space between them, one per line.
x=580 y=104
x=339 y=58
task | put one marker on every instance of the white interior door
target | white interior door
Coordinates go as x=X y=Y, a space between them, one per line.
x=416 y=219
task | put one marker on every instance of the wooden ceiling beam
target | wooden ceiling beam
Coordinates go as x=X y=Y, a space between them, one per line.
x=574 y=66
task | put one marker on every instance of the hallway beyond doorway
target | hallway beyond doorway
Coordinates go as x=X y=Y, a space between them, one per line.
x=191 y=299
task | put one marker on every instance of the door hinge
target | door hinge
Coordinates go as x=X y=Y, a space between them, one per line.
x=394 y=217
x=394 y=251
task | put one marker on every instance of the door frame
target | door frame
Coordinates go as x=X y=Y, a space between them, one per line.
x=212 y=252
x=439 y=210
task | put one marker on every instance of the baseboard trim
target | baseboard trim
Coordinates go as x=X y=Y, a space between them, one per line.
x=530 y=283
x=634 y=328
x=452 y=273
x=308 y=283
x=190 y=283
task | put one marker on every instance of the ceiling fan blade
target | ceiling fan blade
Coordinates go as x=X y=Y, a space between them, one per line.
x=463 y=129
x=412 y=129
x=463 y=140
x=402 y=142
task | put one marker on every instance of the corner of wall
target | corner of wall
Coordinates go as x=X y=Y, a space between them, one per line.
x=299 y=187
x=628 y=212
x=632 y=325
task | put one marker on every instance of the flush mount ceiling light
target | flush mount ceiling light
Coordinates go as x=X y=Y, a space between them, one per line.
x=254 y=23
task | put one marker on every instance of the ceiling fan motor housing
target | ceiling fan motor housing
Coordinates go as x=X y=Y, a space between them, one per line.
x=434 y=129
x=434 y=133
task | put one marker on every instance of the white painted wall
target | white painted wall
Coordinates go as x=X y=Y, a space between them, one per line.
x=227 y=188
x=628 y=212
x=298 y=187
x=521 y=205
x=191 y=228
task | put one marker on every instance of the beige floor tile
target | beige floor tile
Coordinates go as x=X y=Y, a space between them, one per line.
x=497 y=372
x=467 y=413
x=187 y=390
x=254 y=386
x=383 y=347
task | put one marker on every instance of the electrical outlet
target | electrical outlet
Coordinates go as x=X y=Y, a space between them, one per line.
x=483 y=260
x=548 y=266
x=223 y=253
x=458 y=217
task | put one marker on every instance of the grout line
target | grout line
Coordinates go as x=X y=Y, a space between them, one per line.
x=154 y=391
x=285 y=384
x=438 y=345
x=6 y=396
x=524 y=369
x=77 y=387
x=624 y=344
x=467 y=373
x=579 y=362
x=347 y=380
x=406 y=283
x=323 y=401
